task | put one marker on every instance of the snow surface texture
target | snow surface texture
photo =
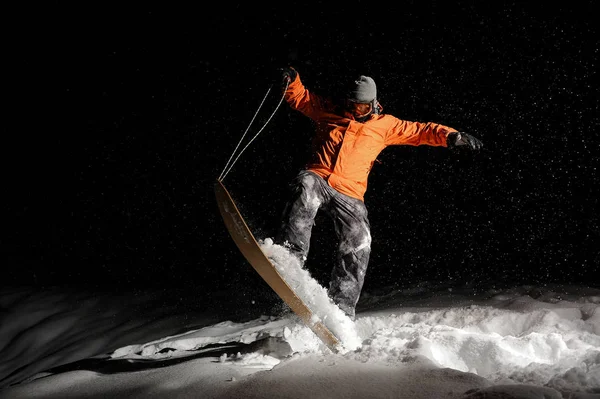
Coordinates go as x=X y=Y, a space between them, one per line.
x=430 y=341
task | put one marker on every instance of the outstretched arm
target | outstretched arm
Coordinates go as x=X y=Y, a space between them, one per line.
x=429 y=133
x=298 y=96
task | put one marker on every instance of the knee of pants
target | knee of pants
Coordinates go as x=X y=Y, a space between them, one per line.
x=362 y=248
x=362 y=255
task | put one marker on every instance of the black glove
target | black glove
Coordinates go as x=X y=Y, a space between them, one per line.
x=287 y=75
x=461 y=139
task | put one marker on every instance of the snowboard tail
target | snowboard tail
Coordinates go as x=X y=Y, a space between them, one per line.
x=247 y=244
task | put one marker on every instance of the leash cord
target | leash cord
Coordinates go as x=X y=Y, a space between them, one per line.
x=230 y=163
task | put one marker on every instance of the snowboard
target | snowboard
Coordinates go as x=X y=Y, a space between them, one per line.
x=247 y=244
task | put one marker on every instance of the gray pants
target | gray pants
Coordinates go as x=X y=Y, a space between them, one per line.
x=310 y=193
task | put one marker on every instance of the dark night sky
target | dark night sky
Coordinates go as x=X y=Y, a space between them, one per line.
x=126 y=118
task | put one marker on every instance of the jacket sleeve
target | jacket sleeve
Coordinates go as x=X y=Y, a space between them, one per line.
x=301 y=99
x=418 y=133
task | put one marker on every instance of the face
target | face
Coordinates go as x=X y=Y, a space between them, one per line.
x=359 y=110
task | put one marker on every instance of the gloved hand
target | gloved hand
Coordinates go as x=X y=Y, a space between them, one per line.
x=287 y=75
x=461 y=139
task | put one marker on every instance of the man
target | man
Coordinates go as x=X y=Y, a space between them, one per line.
x=349 y=136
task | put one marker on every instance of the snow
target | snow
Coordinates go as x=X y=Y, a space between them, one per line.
x=428 y=341
x=313 y=295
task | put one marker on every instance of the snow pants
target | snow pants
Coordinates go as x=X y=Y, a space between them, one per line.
x=311 y=193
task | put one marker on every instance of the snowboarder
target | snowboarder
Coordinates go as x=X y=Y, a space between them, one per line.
x=350 y=134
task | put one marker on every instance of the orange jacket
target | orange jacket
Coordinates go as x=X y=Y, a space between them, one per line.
x=344 y=150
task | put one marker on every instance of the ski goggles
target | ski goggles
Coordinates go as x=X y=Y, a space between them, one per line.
x=359 y=110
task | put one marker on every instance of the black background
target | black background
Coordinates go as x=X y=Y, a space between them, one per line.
x=125 y=118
